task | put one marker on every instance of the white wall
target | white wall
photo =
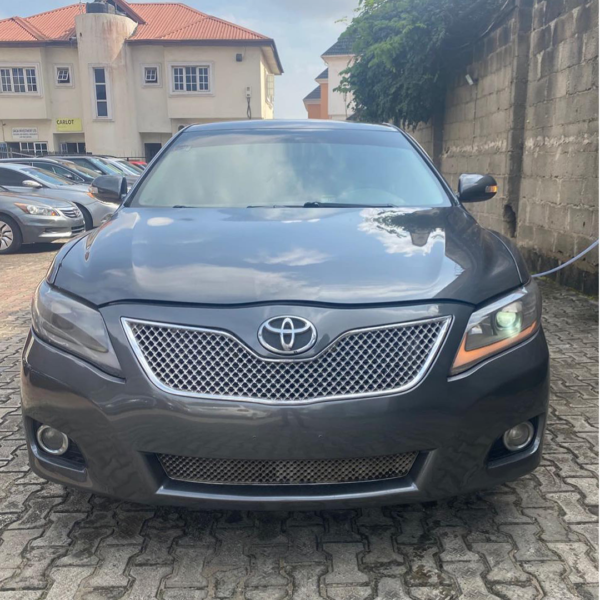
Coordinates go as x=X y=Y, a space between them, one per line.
x=139 y=114
x=337 y=102
x=101 y=43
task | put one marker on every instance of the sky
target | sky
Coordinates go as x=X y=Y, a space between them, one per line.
x=302 y=30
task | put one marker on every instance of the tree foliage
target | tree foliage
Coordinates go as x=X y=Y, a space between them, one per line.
x=405 y=50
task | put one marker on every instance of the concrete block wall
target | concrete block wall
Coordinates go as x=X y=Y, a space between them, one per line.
x=558 y=211
x=478 y=119
x=531 y=120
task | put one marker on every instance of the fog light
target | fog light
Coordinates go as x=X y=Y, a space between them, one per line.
x=52 y=440
x=518 y=437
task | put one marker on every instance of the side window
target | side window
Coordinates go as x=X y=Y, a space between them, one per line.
x=102 y=107
x=65 y=173
x=9 y=177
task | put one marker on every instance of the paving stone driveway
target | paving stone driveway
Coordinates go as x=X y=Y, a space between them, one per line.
x=534 y=538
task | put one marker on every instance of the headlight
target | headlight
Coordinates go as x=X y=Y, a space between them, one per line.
x=73 y=327
x=499 y=326
x=33 y=209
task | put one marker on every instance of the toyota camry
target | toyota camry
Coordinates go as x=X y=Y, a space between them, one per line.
x=287 y=315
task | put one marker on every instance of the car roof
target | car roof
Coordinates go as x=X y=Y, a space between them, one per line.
x=28 y=158
x=305 y=124
x=16 y=167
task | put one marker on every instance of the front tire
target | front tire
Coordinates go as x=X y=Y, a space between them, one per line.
x=11 y=239
x=87 y=218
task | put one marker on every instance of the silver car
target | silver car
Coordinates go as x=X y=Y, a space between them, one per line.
x=31 y=180
x=29 y=219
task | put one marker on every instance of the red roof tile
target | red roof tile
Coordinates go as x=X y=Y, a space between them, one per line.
x=156 y=21
x=56 y=24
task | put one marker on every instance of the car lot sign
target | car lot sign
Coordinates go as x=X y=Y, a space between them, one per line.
x=66 y=125
x=25 y=133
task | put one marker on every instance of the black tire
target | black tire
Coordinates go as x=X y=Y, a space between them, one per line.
x=87 y=218
x=11 y=238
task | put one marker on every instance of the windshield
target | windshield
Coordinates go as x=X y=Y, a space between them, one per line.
x=97 y=165
x=297 y=168
x=126 y=168
x=135 y=169
x=80 y=170
x=110 y=167
x=47 y=176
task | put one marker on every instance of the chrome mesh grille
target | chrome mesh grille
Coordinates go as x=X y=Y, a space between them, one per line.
x=286 y=472
x=211 y=363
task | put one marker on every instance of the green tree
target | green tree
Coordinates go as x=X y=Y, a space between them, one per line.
x=406 y=50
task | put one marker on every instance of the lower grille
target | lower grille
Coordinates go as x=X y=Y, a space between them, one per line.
x=77 y=230
x=286 y=472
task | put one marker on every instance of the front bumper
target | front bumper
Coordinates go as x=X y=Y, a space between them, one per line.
x=122 y=425
x=38 y=229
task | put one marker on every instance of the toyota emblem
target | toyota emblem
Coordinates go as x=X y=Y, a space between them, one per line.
x=287 y=335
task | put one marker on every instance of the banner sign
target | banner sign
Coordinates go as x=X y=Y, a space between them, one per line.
x=67 y=125
x=25 y=133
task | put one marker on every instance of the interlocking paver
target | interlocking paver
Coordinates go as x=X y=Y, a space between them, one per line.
x=529 y=539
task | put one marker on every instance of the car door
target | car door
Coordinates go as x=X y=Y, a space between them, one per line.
x=13 y=180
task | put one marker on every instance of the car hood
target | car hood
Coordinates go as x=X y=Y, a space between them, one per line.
x=75 y=187
x=67 y=194
x=39 y=199
x=338 y=256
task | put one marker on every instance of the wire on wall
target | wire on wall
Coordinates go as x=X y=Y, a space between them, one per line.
x=572 y=260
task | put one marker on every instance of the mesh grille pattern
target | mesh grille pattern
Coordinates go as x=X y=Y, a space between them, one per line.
x=286 y=472
x=358 y=363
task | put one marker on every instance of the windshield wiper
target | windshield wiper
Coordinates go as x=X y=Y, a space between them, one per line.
x=318 y=204
x=275 y=206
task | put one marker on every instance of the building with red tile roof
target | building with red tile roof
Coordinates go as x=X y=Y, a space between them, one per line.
x=120 y=78
x=325 y=102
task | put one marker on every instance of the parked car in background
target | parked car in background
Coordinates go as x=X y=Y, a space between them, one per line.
x=62 y=167
x=287 y=315
x=142 y=164
x=102 y=166
x=31 y=180
x=126 y=165
x=30 y=219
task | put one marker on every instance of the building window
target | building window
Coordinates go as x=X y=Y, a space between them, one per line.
x=30 y=148
x=72 y=148
x=193 y=79
x=270 y=88
x=151 y=75
x=101 y=93
x=63 y=76
x=18 y=80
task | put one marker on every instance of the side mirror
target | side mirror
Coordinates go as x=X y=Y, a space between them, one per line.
x=109 y=188
x=476 y=188
x=30 y=183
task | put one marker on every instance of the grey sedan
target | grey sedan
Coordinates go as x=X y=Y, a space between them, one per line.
x=287 y=315
x=26 y=219
x=31 y=180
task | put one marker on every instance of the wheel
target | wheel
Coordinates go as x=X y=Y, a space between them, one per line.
x=87 y=218
x=10 y=236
